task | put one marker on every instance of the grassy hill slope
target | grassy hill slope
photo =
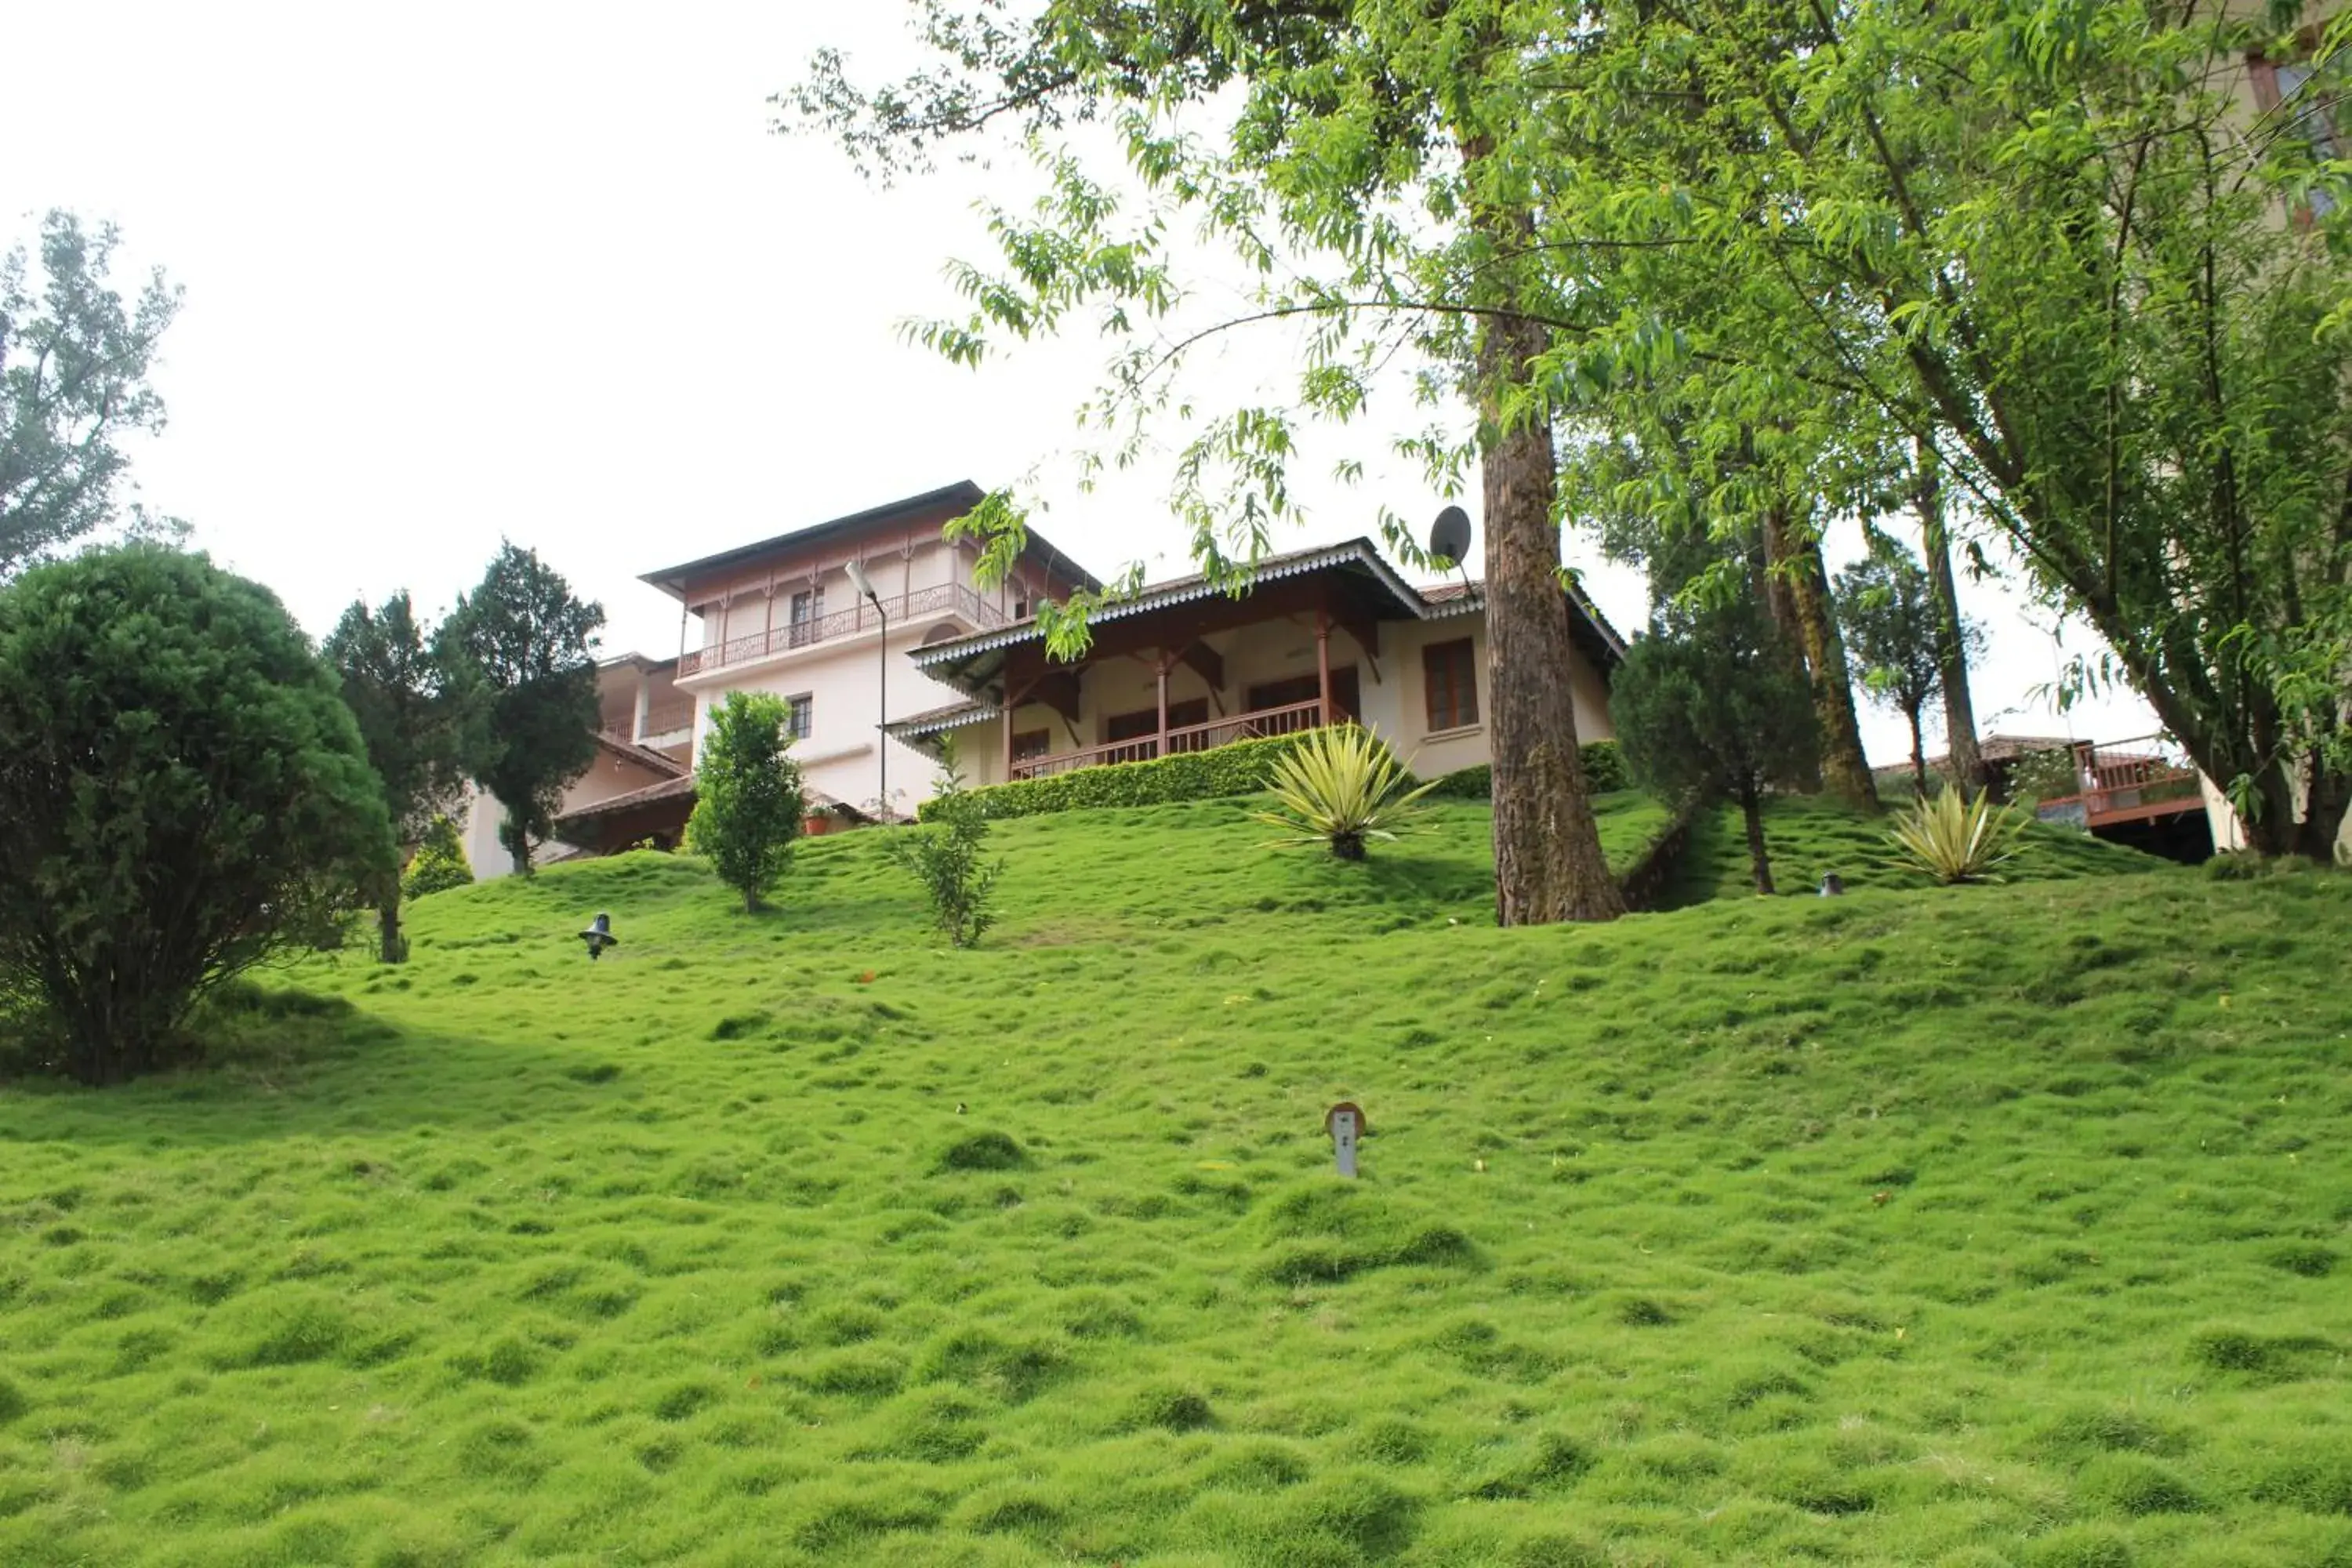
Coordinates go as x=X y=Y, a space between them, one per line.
x=1992 y=1225
x=1806 y=838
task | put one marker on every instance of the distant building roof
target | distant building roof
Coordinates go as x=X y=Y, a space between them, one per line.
x=644 y=756
x=952 y=501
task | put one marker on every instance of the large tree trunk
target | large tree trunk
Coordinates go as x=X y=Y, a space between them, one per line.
x=1845 y=771
x=1919 y=756
x=1751 y=810
x=389 y=947
x=1790 y=643
x=1964 y=759
x=2324 y=803
x=1548 y=864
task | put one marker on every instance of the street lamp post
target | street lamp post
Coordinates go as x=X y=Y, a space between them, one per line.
x=863 y=584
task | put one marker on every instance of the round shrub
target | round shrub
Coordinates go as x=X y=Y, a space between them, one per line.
x=183 y=793
x=439 y=863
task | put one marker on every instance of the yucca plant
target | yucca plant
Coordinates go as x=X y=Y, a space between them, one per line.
x=1339 y=787
x=1954 y=841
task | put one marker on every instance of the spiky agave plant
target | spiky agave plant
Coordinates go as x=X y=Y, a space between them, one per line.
x=1957 y=842
x=1339 y=787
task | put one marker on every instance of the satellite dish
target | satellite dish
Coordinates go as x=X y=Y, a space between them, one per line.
x=1449 y=536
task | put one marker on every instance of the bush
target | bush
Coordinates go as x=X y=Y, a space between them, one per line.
x=1242 y=768
x=439 y=863
x=1957 y=842
x=1604 y=774
x=182 y=795
x=1339 y=788
x=944 y=855
x=748 y=804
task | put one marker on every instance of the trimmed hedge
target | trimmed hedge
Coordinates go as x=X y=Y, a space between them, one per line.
x=1238 y=768
x=1604 y=774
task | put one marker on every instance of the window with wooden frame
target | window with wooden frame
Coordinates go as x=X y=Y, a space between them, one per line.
x=796 y=722
x=2302 y=99
x=1297 y=689
x=1028 y=743
x=1449 y=679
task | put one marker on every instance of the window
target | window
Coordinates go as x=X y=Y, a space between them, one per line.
x=1020 y=609
x=1449 y=672
x=808 y=609
x=1145 y=721
x=1301 y=689
x=796 y=722
x=1028 y=743
x=2294 y=90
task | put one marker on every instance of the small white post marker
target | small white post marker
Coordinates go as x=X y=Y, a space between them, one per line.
x=1345 y=1122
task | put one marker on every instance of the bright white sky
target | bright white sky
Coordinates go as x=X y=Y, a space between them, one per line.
x=455 y=271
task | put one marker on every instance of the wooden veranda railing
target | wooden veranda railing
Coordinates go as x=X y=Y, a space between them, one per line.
x=2126 y=780
x=945 y=599
x=1253 y=726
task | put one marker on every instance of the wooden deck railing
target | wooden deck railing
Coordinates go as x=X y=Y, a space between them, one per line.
x=946 y=598
x=2128 y=781
x=1258 y=725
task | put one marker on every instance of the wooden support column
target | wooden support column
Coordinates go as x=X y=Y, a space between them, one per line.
x=1008 y=738
x=1323 y=660
x=1159 y=666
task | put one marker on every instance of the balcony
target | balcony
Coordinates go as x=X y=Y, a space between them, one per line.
x=955 y=599
x=2126 y=780
x=670 y=718
x=1253 y=726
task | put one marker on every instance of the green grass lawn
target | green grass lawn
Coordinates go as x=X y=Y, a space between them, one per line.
x=1976 y=1226
x=1805 y=839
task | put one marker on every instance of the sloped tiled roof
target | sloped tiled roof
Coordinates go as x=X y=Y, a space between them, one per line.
x=644 y=756
x=967 y=661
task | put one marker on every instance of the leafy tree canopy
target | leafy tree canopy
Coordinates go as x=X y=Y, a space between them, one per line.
x=412 y=717
x=748 y=804
x=182 y=795
x=1711 y=706
x=523 y=648
x=1896 y=632
x=74 y=361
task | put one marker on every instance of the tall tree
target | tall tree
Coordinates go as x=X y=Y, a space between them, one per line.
x=2053 y=246
x=1708 y=707
x=73 y=382
x=1896 y=629
x=526 y=649
x=1952 y=633
x=182 y=795
x=749 y=806
x=412 y=718
x=1793 y=552
x=1387 y=147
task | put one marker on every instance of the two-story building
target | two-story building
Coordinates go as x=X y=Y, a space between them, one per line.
x=1321 y=634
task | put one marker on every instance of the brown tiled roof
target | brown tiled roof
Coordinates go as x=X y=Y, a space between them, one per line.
x=644 y=756
x=668 y=789
x=970 y=661
x=955 y=499
x=679 y=788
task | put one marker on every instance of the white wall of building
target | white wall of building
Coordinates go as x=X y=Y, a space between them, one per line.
x=844 y=681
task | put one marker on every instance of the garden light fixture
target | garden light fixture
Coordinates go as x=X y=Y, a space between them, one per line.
x=599 y=936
